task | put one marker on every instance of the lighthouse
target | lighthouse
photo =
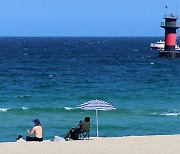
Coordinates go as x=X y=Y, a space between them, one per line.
x=170 y=25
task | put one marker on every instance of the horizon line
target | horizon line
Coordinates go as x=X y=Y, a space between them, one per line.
x=74 y=36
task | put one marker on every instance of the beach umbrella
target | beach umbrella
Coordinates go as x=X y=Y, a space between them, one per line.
x=97 y=105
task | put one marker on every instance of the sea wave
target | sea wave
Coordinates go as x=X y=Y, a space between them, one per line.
x=167 y=113
x=46 y=109
x=119 y=111
x=69 y=108
x=22 y=96
x=4 y=109
x=24 y=108
x=170 y=114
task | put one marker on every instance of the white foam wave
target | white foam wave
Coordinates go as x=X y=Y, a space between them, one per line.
x=4 y=109
x=153 y=113
x=170 y=114
x=25 y=108
x=22 y=96
x=69 y=108
x=167 y=113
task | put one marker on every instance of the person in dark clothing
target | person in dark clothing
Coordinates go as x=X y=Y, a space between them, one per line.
x=83 y=126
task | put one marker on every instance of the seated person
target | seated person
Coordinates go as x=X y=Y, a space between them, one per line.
x=82 y=127
x=37 y=131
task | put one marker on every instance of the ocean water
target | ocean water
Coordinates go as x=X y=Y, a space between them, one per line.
x=47 y=77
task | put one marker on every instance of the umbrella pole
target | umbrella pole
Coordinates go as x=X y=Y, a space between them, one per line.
x=97 y=123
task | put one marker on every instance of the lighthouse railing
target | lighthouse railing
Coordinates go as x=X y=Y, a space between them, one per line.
x=170 y=24
x=171 y=16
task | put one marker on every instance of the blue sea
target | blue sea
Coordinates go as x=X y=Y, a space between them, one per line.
x=47 y=77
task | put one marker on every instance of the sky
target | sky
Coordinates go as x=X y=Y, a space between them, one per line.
x=84 y=17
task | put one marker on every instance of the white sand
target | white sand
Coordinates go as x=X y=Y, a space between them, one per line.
x=167 y=144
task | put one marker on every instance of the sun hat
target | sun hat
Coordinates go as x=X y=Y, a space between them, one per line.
x=37 y=121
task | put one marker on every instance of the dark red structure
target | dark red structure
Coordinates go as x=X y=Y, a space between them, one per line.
x=170 y=25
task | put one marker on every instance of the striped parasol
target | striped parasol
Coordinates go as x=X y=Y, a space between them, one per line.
x=96 y=105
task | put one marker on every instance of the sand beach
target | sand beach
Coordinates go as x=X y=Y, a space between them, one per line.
x=163 y=144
